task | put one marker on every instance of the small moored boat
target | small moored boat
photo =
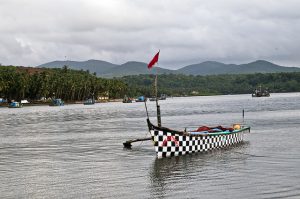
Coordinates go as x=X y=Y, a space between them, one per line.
x=89 y=102
x=15 y=105
x=152 y=99
x=127 y=99
x=259 y=92
x=57 y=102
x=163 y=97
x=141 y=99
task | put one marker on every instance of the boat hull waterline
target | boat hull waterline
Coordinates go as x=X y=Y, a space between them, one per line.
x=170 y=143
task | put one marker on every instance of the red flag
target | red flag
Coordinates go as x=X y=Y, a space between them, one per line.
x=153 y=61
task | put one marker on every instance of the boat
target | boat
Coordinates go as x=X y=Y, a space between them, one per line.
x=169 y=142
x=127 y=99
x=152 y=99
x=141 y=99
x=25 y=101
x=163 y=97
x=15 y=105
x=89 y=102
x=2 y=100
x=57 y=102
x=259 y=92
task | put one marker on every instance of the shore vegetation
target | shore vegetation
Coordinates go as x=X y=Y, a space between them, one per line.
x=17 y=83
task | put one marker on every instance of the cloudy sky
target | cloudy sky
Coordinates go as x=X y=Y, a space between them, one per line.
x=33 y=32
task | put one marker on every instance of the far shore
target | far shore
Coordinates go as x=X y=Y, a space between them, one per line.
x=47 y=103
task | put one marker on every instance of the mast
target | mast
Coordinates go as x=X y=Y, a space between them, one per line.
x=150 y=65
x=157 y=105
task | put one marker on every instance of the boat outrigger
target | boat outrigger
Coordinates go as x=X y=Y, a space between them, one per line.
x=168 y=142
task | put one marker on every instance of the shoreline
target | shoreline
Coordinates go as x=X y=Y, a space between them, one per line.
x=38 y=103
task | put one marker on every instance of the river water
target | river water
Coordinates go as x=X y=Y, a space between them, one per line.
x=76 y=151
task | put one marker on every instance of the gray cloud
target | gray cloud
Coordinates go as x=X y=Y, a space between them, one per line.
x=33 y=32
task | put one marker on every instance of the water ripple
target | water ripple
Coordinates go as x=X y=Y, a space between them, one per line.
x=76 y=151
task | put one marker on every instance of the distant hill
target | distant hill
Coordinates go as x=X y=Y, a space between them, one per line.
x=132 y=68
x=265 y=67
x=216 y=68
x=96 y=66
x=206 y=68
x=106 y=69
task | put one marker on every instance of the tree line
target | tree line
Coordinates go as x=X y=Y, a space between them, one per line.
x=189 y=85
x=18 y=83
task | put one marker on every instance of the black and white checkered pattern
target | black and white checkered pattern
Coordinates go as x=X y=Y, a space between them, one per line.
x=167 y=144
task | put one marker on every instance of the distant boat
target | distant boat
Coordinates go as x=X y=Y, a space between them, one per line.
x=25 y=101
x=89 y=102
x=57 y=102
x=141 y=99
x=127 y=99
x=152 y=99
x=3 y=100
x=15 y=105
x=259 y=92
x=162 y=97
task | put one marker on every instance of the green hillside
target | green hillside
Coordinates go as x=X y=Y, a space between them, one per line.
x=109 y=70
x=133 y=68
x=187 y=85
x=93 y=66
x=215 y=68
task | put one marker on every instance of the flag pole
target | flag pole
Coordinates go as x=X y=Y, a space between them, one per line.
x=150 y=65
x=157 y=105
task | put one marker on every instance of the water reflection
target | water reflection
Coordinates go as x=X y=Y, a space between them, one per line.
x=194 y=170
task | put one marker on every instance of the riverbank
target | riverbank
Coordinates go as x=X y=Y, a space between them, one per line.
x=47 y=103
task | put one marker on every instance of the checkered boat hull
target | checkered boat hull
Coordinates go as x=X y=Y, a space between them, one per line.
x=168 y=144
